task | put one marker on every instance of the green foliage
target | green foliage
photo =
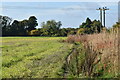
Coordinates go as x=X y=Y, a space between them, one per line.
x=32 y=23
x=88 y=21
x=90 y=27
x=114 y=28
x=5 y=24
x=17 y=28
x=68 y=31
x=116 y=25
x=63 y=32
x=28 y=27
x=48 y=28
x=81 y=31
x=51 y=28
x=75 y=61
x=34 y=32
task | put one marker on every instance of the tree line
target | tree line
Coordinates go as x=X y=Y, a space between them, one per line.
x=17 y=28
x=28 y=26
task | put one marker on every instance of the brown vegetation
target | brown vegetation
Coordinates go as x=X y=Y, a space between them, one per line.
x=101 y=52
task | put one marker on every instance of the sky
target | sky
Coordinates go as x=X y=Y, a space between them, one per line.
x=71 y=14
x=60 y=0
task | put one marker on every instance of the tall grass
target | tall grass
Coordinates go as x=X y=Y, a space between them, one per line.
x=101 y=53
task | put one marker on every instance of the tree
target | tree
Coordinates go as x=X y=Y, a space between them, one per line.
x=51 y=28
x=17 y=27
x=86 y=24
x=83 y=25
x=116 y=25
x=88 y=21
x=32 y=23
x=5 y=22
x=35 y=32
x=63 y=32
x=23 y=25
x=22 y=28
x=14 y=30
x=81 y=31
x=90 y=27
x=96 y=26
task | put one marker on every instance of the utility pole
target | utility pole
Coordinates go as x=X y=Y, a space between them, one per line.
x=104 y=9
x=100 y=16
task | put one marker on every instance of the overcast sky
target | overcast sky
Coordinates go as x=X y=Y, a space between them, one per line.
x=71 y=14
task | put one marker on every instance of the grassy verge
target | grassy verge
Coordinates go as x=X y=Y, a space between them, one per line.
x=101 y=54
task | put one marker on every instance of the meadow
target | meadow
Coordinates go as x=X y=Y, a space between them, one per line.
x=75 y=56
x=33 y=57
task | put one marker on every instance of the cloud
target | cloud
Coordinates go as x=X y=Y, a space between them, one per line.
x=25 y=7
x=83 y=6
x=89 y=6
x=108 y=4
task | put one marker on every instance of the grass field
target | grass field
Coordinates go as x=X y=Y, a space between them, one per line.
x=78 y=56
x=33 y=57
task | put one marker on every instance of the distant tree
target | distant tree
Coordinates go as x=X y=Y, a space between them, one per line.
x=96 y=26
x=44 y=32
x=116 y=25
x=115 y=28
x=88 y=21
x=17 y=27
x=32 y=23
x=71 y=31
x=86 y=24
x=63 y=32
x=5 y=22
x=23 y=25
x=90 y=27
x=51 y=28
x=83 y=25
x=35 y=32
x=14 y=30
x=81 y=31
x=67 y=31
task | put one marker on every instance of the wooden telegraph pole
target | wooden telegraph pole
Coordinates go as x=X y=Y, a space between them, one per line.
x=104 y=9
x=100 y=16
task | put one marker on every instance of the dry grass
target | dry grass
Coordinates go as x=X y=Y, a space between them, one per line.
x=105 y=45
